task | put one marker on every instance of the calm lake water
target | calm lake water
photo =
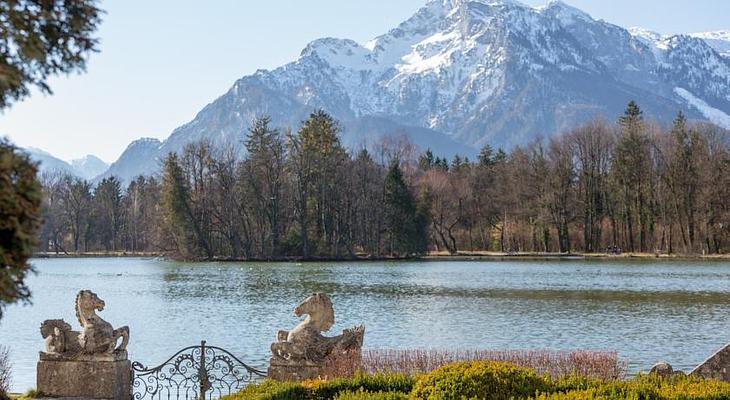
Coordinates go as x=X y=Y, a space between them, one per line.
x=646 y=310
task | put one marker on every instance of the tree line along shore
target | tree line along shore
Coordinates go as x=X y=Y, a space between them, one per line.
x=430 y=256
x=630 y=187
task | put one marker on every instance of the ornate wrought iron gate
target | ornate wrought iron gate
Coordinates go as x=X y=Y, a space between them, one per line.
x=197 y=372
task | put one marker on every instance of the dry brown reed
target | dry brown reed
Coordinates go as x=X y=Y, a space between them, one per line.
x=594 y=364
x=341 y=365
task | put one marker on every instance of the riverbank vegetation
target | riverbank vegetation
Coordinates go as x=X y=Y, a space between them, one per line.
x=629 y=187
x=487 y=380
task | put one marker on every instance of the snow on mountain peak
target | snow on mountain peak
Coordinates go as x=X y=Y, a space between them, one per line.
x=647 y=36
x=705 y=62
x=339 y=52
x=719 y=40
x=89 y=158
x=89 y=166
x=450 y=5
x=716 y=35
x=452 y=47
x=567 y=14
x=455 y=55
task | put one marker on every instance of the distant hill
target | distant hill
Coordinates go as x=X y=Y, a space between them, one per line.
x=86 y=167
x=141 y=157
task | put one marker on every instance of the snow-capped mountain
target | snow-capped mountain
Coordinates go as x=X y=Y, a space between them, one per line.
x=89 y=166
x=697 y=69
x=86 y=168
x=719 y=40
x=460 y=74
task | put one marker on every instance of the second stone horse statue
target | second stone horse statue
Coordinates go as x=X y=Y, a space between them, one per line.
x=96 y=336
x=302 y=352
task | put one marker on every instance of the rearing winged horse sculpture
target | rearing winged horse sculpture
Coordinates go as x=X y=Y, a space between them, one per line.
x=96 y=336
x=302 y=352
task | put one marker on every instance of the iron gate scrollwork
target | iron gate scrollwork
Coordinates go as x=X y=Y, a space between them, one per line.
x=197 y=372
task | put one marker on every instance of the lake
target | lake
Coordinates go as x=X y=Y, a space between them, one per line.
x=678 y=311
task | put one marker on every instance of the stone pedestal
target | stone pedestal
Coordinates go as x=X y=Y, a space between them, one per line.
x=293 y=373
x=99 y=376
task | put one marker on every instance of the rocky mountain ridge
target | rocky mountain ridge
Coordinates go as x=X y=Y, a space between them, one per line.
x=460 y=74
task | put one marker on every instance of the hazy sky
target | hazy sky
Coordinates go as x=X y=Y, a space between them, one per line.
x=161 y=61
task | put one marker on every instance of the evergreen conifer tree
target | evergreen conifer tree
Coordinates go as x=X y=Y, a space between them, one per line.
x=43 y=38
x=401 y=223
x=486 y=156
x=20 y=202
x=426 y=160
x=266 y=162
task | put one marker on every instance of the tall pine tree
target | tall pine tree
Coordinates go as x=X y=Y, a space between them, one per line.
x=631 y=173
x=266 y=175
x=318 y=157
x=404 y=234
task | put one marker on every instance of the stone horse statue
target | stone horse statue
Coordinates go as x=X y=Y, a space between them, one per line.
x=303 y=352
x=96 y=336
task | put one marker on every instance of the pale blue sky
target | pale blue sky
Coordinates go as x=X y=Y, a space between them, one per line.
x=161 y=61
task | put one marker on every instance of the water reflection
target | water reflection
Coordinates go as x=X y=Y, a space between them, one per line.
x=648 y=311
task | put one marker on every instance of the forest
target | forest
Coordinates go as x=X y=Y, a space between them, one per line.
x=628 y=186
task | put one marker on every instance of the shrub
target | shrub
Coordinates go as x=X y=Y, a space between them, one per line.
x=606 y=391
x=369 y=383
x=688 y=388
x=479 y=380
x=325 y=390
x=271 y=390
x=644 y=388
x=487 y=380
x=363 y=395
x=589 y=394
x=576 y=383
x=4 y=372
x=595 y=364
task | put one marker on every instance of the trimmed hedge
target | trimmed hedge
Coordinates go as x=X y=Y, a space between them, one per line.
x=480 y=380
x=326 y=390
x=487 y=380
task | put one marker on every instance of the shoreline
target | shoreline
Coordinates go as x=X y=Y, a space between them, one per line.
x=433 y=256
